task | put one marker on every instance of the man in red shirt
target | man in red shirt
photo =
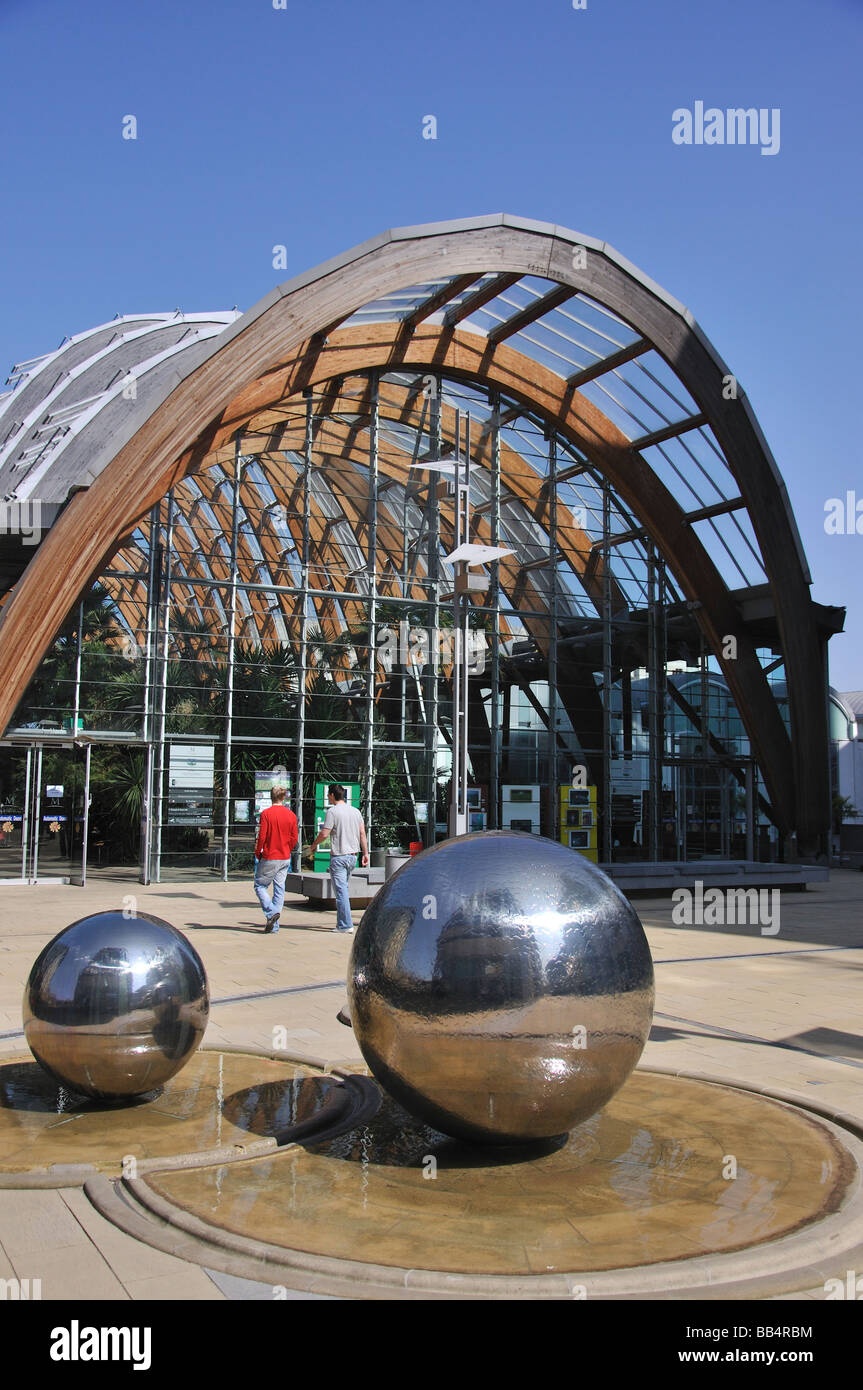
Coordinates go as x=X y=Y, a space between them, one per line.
x=276 y=842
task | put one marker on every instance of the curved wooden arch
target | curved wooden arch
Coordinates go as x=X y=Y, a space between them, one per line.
x=206 y=401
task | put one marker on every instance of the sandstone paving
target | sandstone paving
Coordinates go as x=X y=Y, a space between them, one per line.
x=779 y=1012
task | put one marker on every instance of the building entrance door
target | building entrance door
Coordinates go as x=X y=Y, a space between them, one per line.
x=44 y=795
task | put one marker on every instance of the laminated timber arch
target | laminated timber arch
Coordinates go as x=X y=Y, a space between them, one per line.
x=291 y=341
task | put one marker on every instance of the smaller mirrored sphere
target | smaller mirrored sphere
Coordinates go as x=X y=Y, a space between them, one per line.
x=114 y=1006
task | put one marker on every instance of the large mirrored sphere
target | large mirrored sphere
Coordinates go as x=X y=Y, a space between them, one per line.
x=501 y=987
x=114 y=1005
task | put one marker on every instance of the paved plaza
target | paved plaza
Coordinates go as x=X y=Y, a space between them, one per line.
x=774 y=1012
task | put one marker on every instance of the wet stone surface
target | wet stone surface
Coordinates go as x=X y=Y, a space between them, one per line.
x=217 y=1099
x=648 y=1179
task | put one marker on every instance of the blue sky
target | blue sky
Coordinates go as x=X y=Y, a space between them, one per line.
x=303 y=127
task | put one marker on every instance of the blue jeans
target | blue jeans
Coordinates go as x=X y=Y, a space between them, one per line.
x=271 y=872
x=341 y=868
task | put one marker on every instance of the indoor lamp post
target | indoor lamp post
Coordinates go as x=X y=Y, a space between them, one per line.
x=463 y=557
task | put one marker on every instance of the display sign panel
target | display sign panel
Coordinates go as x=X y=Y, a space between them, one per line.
x=190 y=784
x=264 y=783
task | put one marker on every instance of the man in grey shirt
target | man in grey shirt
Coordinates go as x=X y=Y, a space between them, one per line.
x=345 y=830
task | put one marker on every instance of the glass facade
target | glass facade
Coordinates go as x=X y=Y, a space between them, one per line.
x=289 y=607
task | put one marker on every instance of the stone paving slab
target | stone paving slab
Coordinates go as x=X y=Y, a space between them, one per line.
x=727 y=997
x=79 y=1273
x=35 y=1222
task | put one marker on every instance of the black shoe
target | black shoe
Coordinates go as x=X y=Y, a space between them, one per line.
x=272 y=923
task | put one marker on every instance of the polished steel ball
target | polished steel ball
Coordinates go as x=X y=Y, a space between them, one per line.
x=501 y=987
x=114 y=1006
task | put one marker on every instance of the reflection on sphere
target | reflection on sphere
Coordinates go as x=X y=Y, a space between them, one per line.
x=114 y=1006
x=501 y=987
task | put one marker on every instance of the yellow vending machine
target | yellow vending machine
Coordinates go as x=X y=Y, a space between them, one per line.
x=578 y=820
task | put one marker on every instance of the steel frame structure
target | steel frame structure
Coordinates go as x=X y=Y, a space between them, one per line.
x=563 y=338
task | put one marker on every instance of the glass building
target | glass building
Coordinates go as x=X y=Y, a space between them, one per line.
x=225 y=557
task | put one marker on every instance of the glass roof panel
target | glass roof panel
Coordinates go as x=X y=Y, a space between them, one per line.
x=690 y=470
x=734 y=554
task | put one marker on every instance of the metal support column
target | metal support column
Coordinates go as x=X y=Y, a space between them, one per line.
x=606 y=853
x=150 y=630
x=494 y=601
x=661 y=670
x=145 y=855
x=703 y=791
x=461 y=619
x=152 y=620
x=26 y=832
x=654 y=698
x=465 y=636
x=553 y=798
x=371 y=570
x=232 y=642
x=37 y=807
x=705 y=698
x=751 y=808
x=85 y=817
x=166 y=573
x=76 y=704
x=434 y=645
x=304 y=612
